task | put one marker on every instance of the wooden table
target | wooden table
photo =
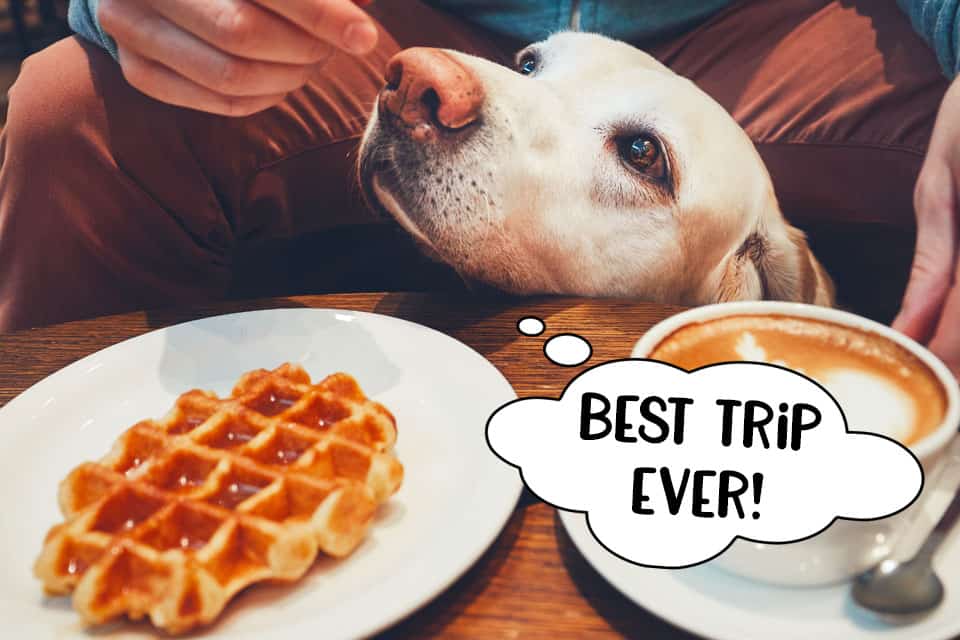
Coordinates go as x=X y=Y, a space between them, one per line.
x=532 y=583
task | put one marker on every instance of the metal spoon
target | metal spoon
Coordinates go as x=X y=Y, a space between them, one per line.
x=911 y=586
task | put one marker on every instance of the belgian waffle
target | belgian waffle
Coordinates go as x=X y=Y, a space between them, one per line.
x=186 y=511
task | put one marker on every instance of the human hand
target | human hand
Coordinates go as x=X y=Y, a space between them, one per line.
x=930 y=312
x=230 y=57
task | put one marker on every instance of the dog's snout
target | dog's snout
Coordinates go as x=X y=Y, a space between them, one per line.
x=427 y=88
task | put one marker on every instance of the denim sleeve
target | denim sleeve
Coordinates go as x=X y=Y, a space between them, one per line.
x=939 y=24
x=82 y=15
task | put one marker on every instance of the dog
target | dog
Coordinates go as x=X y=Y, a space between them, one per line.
x=589 y=169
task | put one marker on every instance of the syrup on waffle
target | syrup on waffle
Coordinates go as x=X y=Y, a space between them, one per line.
x=186 y=511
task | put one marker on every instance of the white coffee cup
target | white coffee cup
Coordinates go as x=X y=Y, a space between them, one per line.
x=847 y=547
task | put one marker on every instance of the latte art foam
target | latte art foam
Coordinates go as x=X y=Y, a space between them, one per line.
x=881 y=387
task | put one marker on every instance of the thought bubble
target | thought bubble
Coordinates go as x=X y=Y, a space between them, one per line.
x=531 y=326
x=672 y=466
x=567 y=350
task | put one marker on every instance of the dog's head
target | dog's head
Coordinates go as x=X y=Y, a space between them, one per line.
x=588 y=169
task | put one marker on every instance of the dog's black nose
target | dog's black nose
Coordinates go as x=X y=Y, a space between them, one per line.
x=429 y=88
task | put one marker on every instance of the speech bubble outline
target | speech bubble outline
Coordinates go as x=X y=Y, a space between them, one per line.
x=735 y=538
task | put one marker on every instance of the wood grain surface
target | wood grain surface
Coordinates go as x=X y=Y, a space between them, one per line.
x=532 y=583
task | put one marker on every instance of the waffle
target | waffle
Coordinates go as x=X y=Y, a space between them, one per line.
x=186 y=511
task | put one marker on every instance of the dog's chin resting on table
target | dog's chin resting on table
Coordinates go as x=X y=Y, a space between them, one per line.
x=589 y=169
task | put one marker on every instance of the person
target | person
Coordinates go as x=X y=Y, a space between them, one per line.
x=141 y=156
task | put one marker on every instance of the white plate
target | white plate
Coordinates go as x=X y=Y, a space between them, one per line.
x=712 y=603
x=455 y=499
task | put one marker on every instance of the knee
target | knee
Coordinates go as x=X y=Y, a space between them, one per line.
x=53 y=102
x=56 y=128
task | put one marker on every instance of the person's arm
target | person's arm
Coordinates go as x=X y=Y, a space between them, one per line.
x=82 y=15
x=938 y=21
x=930 y=312
x=231 y=57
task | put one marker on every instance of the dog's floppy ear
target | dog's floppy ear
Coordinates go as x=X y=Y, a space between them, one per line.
x=775 y=264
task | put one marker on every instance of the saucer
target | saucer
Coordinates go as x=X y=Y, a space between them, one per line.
x=712 y=603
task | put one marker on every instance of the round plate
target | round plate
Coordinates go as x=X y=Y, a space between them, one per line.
x=712 y=603
x=455 y=499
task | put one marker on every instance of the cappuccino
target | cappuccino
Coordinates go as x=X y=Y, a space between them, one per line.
x=881 y=386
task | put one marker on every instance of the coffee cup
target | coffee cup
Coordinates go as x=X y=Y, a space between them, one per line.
x=883 y=381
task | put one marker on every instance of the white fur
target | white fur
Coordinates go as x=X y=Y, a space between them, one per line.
x=546 y=205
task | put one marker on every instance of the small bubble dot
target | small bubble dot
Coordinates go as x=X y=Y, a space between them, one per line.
x=531 y=326
x=567 y=350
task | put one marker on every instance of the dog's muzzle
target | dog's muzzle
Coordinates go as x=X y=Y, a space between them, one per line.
x=429 y=94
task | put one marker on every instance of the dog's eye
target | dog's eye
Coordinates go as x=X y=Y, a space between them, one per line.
x=527 y=64
x=643 y=154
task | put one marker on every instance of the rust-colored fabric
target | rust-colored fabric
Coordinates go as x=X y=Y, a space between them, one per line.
x=111 y=201
x=840 y=98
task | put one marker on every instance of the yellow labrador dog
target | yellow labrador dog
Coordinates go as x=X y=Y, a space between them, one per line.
x=590 y=169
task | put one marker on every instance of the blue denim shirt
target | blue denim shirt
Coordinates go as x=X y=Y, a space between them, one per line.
x=936 y=20
x=632 y=20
